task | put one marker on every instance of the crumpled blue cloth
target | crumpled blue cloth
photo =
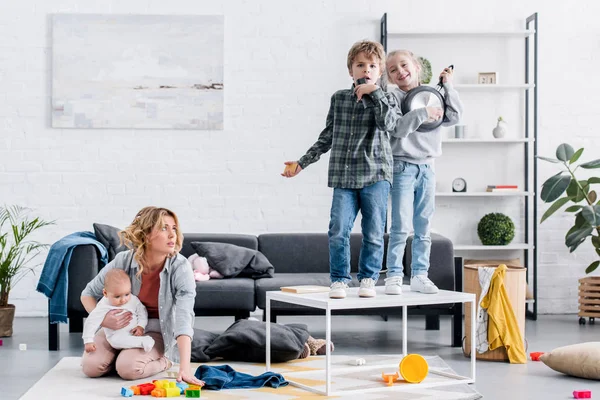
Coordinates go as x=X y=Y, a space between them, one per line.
x=224 y=377
x=54 y=277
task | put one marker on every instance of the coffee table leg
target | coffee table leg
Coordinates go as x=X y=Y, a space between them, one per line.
x=328 y=351
x=473 y=337
x=268 y=347
x=404 y=331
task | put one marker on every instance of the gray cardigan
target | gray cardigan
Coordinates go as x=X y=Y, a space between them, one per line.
x=175 y=297
x=422 y=147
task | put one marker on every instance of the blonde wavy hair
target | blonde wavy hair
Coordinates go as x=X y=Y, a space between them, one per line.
x=136 y=235
x=371 y=50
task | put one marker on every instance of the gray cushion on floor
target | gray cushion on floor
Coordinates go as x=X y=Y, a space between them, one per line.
x=226 y=294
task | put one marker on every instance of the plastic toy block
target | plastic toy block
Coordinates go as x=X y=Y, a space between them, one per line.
x=192 y=393
x=164 y=383
x=0 y=342
x=172 y=392
x=582 y=394
x=22 y=346
x=182 y=386
x=143 y=389
x=194 y=387
x=535 y=356
x=126 y=392
x=158 y=392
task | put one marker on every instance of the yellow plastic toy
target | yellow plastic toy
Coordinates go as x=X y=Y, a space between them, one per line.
x=390 y=378
x=414 y=368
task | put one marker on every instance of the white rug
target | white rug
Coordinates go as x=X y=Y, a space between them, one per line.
x=66 y=382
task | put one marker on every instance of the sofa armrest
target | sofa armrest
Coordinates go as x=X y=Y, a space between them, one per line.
x=84 y=266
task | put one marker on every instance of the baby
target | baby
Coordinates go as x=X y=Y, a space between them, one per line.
x=117 y=295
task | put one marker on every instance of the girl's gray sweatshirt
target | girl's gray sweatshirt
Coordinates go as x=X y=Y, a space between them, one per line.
x=422 y=147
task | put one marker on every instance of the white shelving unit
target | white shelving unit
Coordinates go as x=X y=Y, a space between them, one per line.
x=484 y=194
x=528 y=89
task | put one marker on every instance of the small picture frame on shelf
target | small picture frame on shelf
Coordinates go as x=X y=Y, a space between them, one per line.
x=487 y=78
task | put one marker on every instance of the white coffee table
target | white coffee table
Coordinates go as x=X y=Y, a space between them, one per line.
x=352 y=301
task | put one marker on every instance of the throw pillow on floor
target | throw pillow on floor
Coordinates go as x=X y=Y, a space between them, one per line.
x=581 y=360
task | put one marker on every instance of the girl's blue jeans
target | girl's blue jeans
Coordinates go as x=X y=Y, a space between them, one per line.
x=413 y=202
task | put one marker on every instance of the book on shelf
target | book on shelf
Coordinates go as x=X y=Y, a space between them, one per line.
x=502 y=188
x=305 y=289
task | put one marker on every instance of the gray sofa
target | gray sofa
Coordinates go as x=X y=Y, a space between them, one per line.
x=298 y=259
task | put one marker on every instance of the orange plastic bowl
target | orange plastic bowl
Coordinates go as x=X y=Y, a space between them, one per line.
x=413 y=368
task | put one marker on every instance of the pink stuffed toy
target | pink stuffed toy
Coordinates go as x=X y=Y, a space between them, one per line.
x=202 y=271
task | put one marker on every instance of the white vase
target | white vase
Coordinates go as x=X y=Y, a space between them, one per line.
x=500 y=130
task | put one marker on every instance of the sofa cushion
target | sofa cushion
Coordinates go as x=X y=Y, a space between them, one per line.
x=109 y=237
x=225 y=294
x=304 y=252
x=202 y=339
x=234 y=261
x=248 y=241
x=245 y=340
x=581 y=360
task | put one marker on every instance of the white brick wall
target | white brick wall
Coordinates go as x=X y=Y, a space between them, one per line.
x=283 y=60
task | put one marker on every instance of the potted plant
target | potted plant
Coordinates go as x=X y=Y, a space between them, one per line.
x=586 y=209
x=495 y=229
x=17 y=251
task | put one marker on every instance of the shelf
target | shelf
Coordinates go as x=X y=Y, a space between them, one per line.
x=481 y=86
x=483 y=194
x=474 y=34
x=477 y=140
x=513 y=246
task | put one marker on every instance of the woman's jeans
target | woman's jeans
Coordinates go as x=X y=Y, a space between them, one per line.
x=372 y=202
x=413 y=200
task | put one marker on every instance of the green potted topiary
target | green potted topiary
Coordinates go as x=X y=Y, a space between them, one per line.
x=495 y=229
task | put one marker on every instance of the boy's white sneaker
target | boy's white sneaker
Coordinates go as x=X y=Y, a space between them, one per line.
x=393 y=285
x=367 y=288
x=421 y=283
x=338 y=290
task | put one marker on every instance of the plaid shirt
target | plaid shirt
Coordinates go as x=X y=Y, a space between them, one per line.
x=357 y=135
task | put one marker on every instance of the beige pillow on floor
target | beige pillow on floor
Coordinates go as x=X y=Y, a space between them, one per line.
x=581 y=360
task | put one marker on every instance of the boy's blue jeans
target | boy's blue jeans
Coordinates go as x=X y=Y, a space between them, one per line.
x=372 y=202
x=413 y=200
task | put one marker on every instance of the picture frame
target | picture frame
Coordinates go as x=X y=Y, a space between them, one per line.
x=487 y=78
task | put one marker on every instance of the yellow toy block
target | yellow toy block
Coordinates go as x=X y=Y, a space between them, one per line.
x=172 y=392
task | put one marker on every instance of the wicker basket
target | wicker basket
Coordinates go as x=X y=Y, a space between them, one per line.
x=516 y=287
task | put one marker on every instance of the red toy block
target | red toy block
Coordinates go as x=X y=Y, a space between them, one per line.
x=535 y=356
x=143 y=389
x=582 y=394
x=0 y=342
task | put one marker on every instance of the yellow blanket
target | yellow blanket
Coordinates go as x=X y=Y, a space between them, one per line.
x=503 y=329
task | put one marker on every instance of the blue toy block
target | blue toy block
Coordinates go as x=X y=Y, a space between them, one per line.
x=182 y=386
x=126 y=392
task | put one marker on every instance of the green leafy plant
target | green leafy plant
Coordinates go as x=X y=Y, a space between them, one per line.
x=587 y=214
x=496 y=229
x=426 y=73
x=16 y=248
